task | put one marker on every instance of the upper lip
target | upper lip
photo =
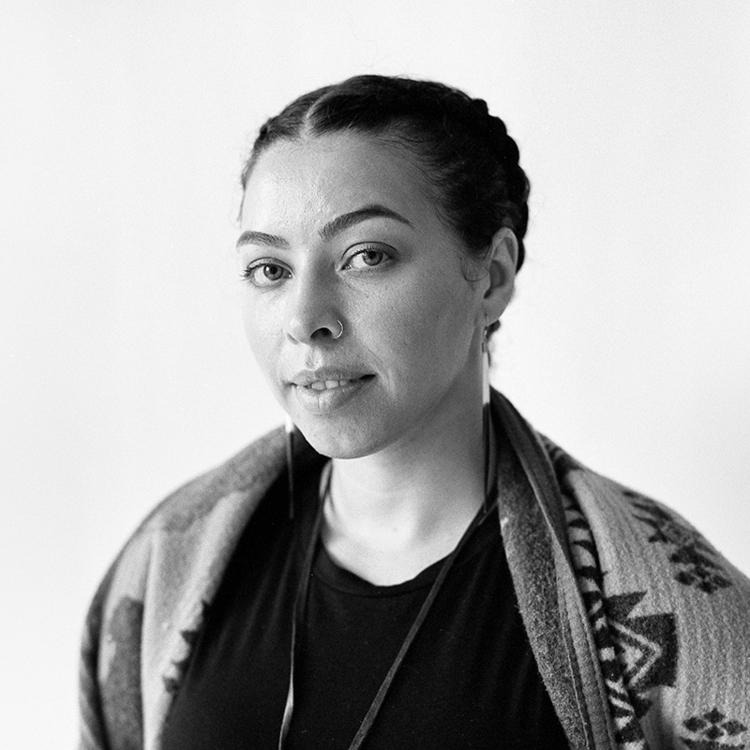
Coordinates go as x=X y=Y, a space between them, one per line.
x=307 y=377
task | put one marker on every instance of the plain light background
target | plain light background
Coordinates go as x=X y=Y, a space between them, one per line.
x=124 y=370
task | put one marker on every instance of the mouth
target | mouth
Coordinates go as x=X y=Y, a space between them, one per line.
x=330 y=385
x=325 y=393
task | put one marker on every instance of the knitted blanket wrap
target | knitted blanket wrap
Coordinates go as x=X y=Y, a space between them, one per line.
x=665 y=646
x=669 y=615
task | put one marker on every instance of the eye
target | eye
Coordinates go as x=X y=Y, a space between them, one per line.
x=368 y=257
x=265 y=273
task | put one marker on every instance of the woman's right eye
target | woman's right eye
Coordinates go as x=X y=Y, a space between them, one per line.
x=265 y=273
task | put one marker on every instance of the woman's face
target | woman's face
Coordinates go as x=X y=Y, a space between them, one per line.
x=338 y=231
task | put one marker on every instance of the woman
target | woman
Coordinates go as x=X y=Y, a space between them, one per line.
x=449 y=578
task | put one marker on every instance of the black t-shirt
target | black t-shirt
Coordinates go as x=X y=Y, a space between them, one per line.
x=469 y=680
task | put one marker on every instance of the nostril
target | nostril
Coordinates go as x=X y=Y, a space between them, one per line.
x=303 y=331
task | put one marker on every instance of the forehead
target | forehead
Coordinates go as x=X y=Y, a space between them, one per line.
x=322 y=176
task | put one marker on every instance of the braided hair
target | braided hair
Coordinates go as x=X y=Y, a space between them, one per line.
x=471 y=162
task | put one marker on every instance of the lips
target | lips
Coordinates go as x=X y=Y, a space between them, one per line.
x=327 y=385
x=325 y=378
x=324 y=391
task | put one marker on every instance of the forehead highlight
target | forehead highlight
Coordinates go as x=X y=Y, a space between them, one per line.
x=333 y=175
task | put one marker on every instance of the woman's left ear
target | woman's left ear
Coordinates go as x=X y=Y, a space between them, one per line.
x=500 y=281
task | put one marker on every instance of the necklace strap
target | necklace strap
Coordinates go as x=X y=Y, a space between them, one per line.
x=300 y=608
x=372 y=713
x=300 y=604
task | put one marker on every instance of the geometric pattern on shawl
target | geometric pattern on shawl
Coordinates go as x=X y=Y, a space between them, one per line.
x=635 y=653
x=692 y=558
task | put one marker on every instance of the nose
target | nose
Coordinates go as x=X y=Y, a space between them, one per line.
x=312 y=311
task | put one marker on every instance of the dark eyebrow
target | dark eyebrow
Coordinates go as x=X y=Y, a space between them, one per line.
x=261 y=238
x=330 y=230
x=340 y=223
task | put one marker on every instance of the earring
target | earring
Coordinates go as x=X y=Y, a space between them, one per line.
x=289 y=439
x=486 y=367
x=487 y=434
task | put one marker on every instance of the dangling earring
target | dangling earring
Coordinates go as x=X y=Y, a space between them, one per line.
x=289 y=438
x=487 y=434
x=485 y=367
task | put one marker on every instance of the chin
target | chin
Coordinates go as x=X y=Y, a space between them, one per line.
x=339 y=443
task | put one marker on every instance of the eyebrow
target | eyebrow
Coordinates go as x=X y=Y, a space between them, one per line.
x=330 y=230
x=374 y=211
x=251 y=237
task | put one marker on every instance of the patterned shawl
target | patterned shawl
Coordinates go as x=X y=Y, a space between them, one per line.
x=640 y=629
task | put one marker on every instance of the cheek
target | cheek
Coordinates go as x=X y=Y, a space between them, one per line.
x=260 y=334
x=443 y=310
x=427 y=330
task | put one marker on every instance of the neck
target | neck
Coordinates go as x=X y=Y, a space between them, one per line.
x=391 y=514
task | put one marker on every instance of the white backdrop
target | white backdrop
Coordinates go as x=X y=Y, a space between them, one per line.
x=124 y=370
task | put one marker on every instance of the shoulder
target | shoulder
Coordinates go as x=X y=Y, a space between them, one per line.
x=166 y=571
x=249 y=471
x=671 y=615
x=215 y=500
x=613 y=509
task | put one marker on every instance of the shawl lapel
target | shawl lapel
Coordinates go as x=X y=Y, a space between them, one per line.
x=553 y=611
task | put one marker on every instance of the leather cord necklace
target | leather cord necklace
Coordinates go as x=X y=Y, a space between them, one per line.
x=300 y=612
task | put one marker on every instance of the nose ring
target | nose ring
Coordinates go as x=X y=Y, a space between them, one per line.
x=341 y=331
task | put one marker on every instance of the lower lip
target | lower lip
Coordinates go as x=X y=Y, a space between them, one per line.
x=331 y=399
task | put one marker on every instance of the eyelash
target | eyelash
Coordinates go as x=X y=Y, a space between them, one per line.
x=361 y=252
x=249 y=273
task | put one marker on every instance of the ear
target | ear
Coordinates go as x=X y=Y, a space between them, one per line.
x=500 y=281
